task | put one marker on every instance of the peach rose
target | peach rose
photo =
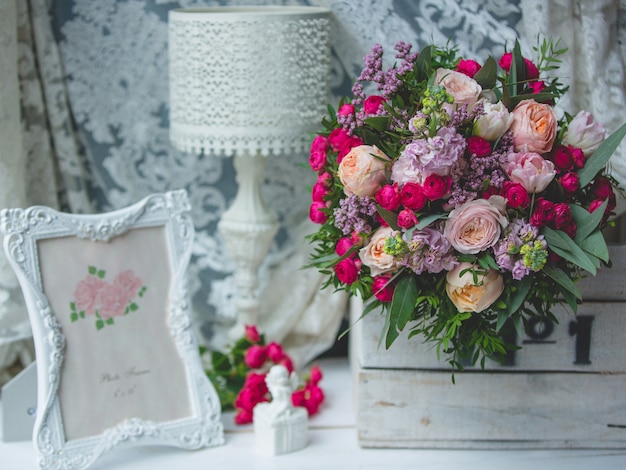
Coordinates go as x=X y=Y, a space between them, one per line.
x=373 y=254
x=530 y=170
x=476 y=225
x=534 y=126
x=461 y=87
x=468 y=296
x=363 y=170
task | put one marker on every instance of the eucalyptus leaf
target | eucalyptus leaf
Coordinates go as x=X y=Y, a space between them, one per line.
x=380 y=123
x=559 y=276
x=586 y=222
x=428 y=219
x=390 y=217
x=595 y=244
x=402 y=306
x=571 y=252
x=598 y=160
x=422 y=66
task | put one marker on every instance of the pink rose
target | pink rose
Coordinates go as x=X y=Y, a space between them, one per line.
x=317 y=160
x=436 y=187
x=412 y=196
x=476 y=225
x=373 y=254
x=347 y=271
x=319 y=144
x=570 y=182
x=468 y=67
x=585 y=134
x=343 y=245
x=463 y=89
x=470 y=296
x=478 y=146
x=372 y=104
x=325 y=179
x=531 y=170
x=255 y=356
x=363 y=170
x=516 y=195
x=534 y=126
x=86 y=294
x=388 y=197
x=338 y=138
x=112 y=301
x=346 y=110
x=319 y=192
x=275 y=352
x=382 y=288
x=315 y=212
x=252 y=333
x=407 y=218
x=128 y=283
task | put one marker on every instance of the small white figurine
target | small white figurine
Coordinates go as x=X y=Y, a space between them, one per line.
x=280 y=427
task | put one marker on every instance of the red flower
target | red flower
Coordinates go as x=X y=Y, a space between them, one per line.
x=412 y=196
x=602 y=189
x=388 y=197
x=490 y=191
x=543 y=212
x=347 y=271
x=562 y=216
x=243 y=417
x=516 y=195
x=372 y=104
x=310 y=397
x=351 y=142
x=570 y=182
x=563 y=159
x=537 y=86
x=343 y=245
x=319 y=192
x=505 y=61
x=578 y=156
x=382 y=289
x=436 y=186
x=319 y=144
x=287 y=362
x=346 y=110
x=315 y=375
x=532 y=72
x=478 y=146
x=315 y=212
x=317 y=160
x=255 y=356
x=468 y=67
x=407 y=218
x=324 y=179
x=252 y=334
x=275 y=352
x=338 y=139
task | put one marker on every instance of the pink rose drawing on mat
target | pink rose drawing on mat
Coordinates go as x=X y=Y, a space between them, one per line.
x=94 y=296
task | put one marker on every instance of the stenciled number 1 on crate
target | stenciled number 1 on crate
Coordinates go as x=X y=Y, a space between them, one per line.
x=463 y=209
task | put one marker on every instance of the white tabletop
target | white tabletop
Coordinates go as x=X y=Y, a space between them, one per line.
x=332 y=445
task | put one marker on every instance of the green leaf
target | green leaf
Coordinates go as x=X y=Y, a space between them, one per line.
x=564 y=246
x=486 y=76
x=220 y=362
x=81 y=314
x=595 y=244
x=133 y=307
x=422 y=64
x=72 y=306
x=586 y=222
x=92 y=270
x=390 y=217
x=402 y=306
x=109 y=321
x=101 y=274
x=517 y=72
x=598 y=160
x=380 y=123
x=99 y=324
x=73 y=317
x=570 y=299
x=518 y=297
x=559 y=276
x=427 y=220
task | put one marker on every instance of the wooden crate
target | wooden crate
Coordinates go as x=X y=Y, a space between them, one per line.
x=566 y=387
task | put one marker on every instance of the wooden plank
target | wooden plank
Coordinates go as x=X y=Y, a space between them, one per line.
x=423 y=409
x=593 y=341
x=610 y=283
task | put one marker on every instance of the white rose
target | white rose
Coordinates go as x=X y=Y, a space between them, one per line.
x=373 y=254
x=495 y=122
x=468 y=296
x=463 y=89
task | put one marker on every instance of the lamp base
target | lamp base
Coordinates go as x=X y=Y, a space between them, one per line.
x=248 y=228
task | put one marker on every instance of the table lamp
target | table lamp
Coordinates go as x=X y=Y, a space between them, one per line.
x=248 y=82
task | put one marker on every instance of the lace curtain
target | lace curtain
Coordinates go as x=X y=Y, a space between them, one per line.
x=89 y=131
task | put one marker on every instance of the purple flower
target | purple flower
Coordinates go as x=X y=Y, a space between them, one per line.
x=355 y=214
x=429 y=251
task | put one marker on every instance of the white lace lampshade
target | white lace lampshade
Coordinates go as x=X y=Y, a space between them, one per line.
x=249 y=82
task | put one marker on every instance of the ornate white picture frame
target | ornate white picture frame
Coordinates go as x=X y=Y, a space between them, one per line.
x=117 y=360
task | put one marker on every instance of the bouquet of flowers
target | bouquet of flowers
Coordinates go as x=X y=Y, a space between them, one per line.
x=456 y=199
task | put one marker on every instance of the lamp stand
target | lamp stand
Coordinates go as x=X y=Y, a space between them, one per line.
x=248 y=227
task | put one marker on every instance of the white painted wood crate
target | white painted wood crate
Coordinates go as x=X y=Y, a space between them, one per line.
x=566 y=387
